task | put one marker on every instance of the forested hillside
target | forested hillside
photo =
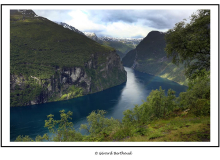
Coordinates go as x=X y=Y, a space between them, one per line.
x=121 y=48
x=50 y=63
x=161 y=117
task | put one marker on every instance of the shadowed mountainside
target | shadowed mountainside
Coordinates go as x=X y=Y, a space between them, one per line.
x=149 y=57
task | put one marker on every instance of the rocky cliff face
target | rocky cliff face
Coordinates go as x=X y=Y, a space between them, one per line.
x=68 y=83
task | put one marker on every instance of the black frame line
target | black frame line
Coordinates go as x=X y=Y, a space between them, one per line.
x=111 y=5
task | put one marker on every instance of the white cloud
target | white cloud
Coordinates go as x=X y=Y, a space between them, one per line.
x=121 y=29
x=118 y=23
x=53 y=15
x=81 y=21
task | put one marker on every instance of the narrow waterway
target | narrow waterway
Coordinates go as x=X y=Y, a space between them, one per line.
x=29 y=120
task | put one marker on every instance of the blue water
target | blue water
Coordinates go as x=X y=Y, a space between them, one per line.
x=29 y=120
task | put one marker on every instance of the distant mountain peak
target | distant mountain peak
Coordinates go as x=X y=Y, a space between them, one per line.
x=65 y=25
x=91 y=35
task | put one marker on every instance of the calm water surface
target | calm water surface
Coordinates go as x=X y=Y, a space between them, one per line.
x=29 y=120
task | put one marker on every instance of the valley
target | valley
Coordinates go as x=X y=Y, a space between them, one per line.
x=150 y=57
x=121 y=45
x=104 y=88
x=143 y=54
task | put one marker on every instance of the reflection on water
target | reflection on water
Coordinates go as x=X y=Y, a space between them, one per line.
x=29 y=120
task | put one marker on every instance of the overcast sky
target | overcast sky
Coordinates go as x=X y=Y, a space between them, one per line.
x=118 y=23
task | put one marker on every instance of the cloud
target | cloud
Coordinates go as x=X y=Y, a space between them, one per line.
x=54 y=15
x=81 y=21
x=121 y=29
x=159 y=19
x=110 y=16
x=134 y=23
x=118 y=23
x=166 y=19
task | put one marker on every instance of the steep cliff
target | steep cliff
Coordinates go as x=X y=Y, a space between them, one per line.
x=149 y=57
x=51 y=63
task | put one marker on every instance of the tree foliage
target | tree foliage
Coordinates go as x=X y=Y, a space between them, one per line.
x=189 y=43
x=138 y=115
x=161 y=104
x=158 y=105
x=98 y=124
x=197 y=97
x=62 y=129
x=23 y=139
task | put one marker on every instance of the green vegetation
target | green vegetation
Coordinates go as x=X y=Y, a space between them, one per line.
x=38 y=46
x=178 y=54
x=72 y=92
x=151 y=58
x=62 y=129
x=174 y=73
x=160 y=118
x=163 y=117
x=121 y=48
x=176 y=129
x=189 y=43
x=41 y=50
x=31 y=91
x=98 y=126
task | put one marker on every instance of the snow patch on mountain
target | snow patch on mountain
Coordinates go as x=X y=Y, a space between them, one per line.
x=92 y=36
x=65 y=25
x=89 y=33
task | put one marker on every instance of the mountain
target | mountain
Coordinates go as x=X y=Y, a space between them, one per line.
x=150 y=57
x=121 y=45
x=92 y=36
x=50 y=63
x=121 y=48
x=128 y=41
x=65 y=25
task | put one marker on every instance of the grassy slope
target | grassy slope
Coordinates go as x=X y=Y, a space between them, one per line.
x=183 y=127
